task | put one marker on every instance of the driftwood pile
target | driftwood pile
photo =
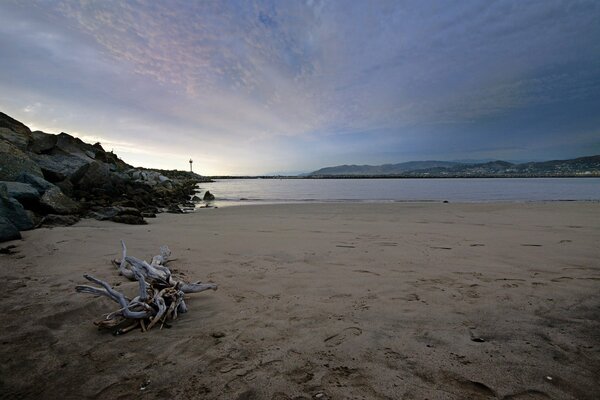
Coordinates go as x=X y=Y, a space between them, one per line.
x=160 y=297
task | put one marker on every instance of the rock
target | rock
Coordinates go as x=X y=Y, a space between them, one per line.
x=196 y=198
x=8 y=231
x=58 y=167
x=147 y=214
x=95 y=175
x=208 y=196
x=23 y=192
x=72 y=145
x=59 y=220
x=66 y=187
x=174 y=209
x=14 y=132
x=57 y=203
x=39 y=183
x=125 y=215
x=14 y=162
x=13 y=211
x=129 y=219
x=42 y=142
x=35 y=218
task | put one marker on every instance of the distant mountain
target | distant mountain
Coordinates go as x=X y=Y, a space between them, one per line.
x=386 y=169
x=583 y=166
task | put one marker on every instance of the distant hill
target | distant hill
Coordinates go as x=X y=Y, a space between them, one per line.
x=583 y=166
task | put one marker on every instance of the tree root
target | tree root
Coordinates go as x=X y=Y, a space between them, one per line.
x=160 y=296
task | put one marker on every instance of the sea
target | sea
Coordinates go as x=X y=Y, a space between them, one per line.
x=236 y=192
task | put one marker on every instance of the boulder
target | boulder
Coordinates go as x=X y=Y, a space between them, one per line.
x=208 y=196
x=13 y=211
x=7 y=230
x=66 y=187
x=42 y=142
x=58 y=167
x=39 y=183
x=57 y=203
x=125 y=215
x=14 y=132
x=174 y=209
x=59 y=220
x=14 y=138
x=23 y=192
x=95 y=175
x=13 y=162
x=196 y=198
x=129 y=219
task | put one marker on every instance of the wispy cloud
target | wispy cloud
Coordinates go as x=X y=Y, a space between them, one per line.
x=241 y=78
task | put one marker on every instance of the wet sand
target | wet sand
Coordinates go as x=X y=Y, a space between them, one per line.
x=338 y=301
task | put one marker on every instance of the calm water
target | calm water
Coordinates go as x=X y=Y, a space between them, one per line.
x=251 y=191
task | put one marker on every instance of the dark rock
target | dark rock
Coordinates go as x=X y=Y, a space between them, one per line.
x=58 y=167
x=196 y=198
x=13 y=162
x=59 y=220
x=125 y=215
x=129 y=219
x=174 y=209
x=23 y=192
x=56 y=202
x=7 y=230
x=147 y=214
x=66 y=187
x=96 y=175
x=42 y=142
x=72 y=145
x=36 y=181
x=14 y=132
x=13 y=211
x=208 y=196
x=35 y=218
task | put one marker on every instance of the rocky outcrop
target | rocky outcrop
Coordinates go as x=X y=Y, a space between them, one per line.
x=15 y=132
x=24 y=193
x=126 y=215
x=53 y=180
x=13 y=211
x=52 y=220
x=7 y=230
x=208 y=196
x=56 y=202
x=14 y=161
x=39 y=183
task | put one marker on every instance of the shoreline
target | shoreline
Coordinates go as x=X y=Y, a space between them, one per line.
x=256 y=202
x=395 y=300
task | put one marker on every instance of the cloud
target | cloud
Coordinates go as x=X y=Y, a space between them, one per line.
x=236 y=77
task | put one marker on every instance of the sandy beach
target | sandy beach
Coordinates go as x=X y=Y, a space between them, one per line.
x=330 y=301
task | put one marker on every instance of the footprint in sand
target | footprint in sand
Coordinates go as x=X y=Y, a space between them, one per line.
x=527 y=395
x=339 y=338
x=366 y=271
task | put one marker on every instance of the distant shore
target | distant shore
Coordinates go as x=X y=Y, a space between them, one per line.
x=399 y=300
x=397 y=176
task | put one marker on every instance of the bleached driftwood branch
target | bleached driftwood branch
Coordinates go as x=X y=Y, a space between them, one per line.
x=160 y=298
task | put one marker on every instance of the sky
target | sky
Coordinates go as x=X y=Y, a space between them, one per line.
x=267 y=87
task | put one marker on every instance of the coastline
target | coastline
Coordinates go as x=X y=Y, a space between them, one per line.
x=373 y=300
